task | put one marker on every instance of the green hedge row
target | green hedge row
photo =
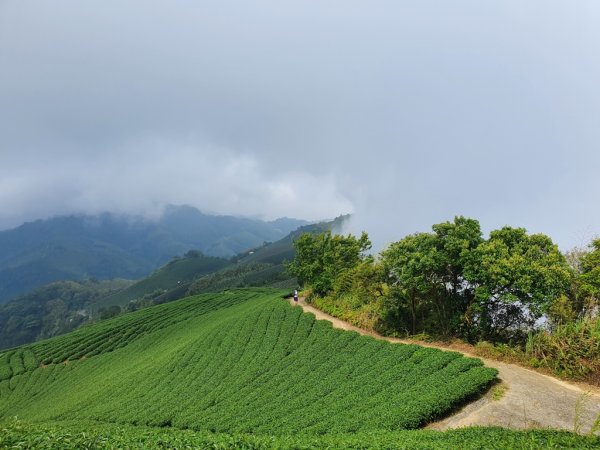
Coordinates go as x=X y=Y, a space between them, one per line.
x=18 y=435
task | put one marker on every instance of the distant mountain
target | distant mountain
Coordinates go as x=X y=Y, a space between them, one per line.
x=63 y=306
x=108 y=246
x=261 y=266
x=196 y=273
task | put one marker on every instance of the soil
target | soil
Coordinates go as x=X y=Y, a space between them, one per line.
x=527 y=399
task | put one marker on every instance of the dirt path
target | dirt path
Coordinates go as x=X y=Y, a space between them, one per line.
x=531 y=400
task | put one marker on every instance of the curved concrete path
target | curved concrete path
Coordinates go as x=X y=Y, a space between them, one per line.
x=531 y=399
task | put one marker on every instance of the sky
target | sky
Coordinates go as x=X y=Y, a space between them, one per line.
x=403 y=113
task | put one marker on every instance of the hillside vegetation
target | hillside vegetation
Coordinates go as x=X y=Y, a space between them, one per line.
x=261 y=266
x=513 y=295
x=240 y=369
x=54 y=309
x=109 y=246
x=71 y=435
x=239 y=361
x=63 y=306
x=176 y=274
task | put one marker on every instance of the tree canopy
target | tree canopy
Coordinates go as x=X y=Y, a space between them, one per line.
x=590 y=276
x=321 y=258
x=450 y=281
x=426 y=271
x=516 y=278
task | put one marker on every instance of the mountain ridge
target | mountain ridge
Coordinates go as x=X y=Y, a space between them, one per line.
x=108 y=246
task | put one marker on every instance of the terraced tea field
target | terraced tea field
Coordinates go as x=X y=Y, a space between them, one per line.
x=17 y=435
x=241 y=361
x=239 y=368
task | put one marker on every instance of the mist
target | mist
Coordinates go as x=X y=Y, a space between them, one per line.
x=403 y=114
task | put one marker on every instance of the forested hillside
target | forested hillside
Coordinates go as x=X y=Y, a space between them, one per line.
x=51 y=310
x=191 y=274
x=173 y=278
x=109 y=246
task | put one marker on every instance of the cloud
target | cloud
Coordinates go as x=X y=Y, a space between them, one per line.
x=141 y=177
x=405 y=114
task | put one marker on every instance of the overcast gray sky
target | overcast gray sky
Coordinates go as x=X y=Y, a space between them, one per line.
x=404 y=113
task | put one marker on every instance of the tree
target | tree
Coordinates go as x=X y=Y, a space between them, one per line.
x=410 y=267
x=516 y=278
x=574 y=304
x=426 y=272
x=364 y=283
x=590 y=278
x=321 y=258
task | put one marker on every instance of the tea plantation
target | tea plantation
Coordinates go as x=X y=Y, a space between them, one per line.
x=239 y=369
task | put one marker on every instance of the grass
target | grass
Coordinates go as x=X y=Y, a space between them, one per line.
x=498 y=391
x=571 y=350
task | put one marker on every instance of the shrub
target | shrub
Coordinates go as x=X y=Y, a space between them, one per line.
x=571 y=350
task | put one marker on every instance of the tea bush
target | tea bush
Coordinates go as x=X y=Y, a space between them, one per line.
x=242 y=361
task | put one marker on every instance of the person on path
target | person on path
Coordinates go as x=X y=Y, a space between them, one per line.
x=296 y=295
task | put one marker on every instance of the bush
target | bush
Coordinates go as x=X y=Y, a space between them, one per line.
x=239 y=361
x=571 y=350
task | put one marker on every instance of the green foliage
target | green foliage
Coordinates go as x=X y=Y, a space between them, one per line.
x=517 y=277
x=366 y=281
x=571 y=349
x=16 y=362
x=107 y=246
x=589 y=287
x=20 y=435
x=111 y=311
x=353 y=309
x=241 y=275
x=178 y=272
x=452 y=282
x=563 y=310
x=321 y=258
x=51 y=310
x=5 y=369
x=243 y=361
x=426 y=271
